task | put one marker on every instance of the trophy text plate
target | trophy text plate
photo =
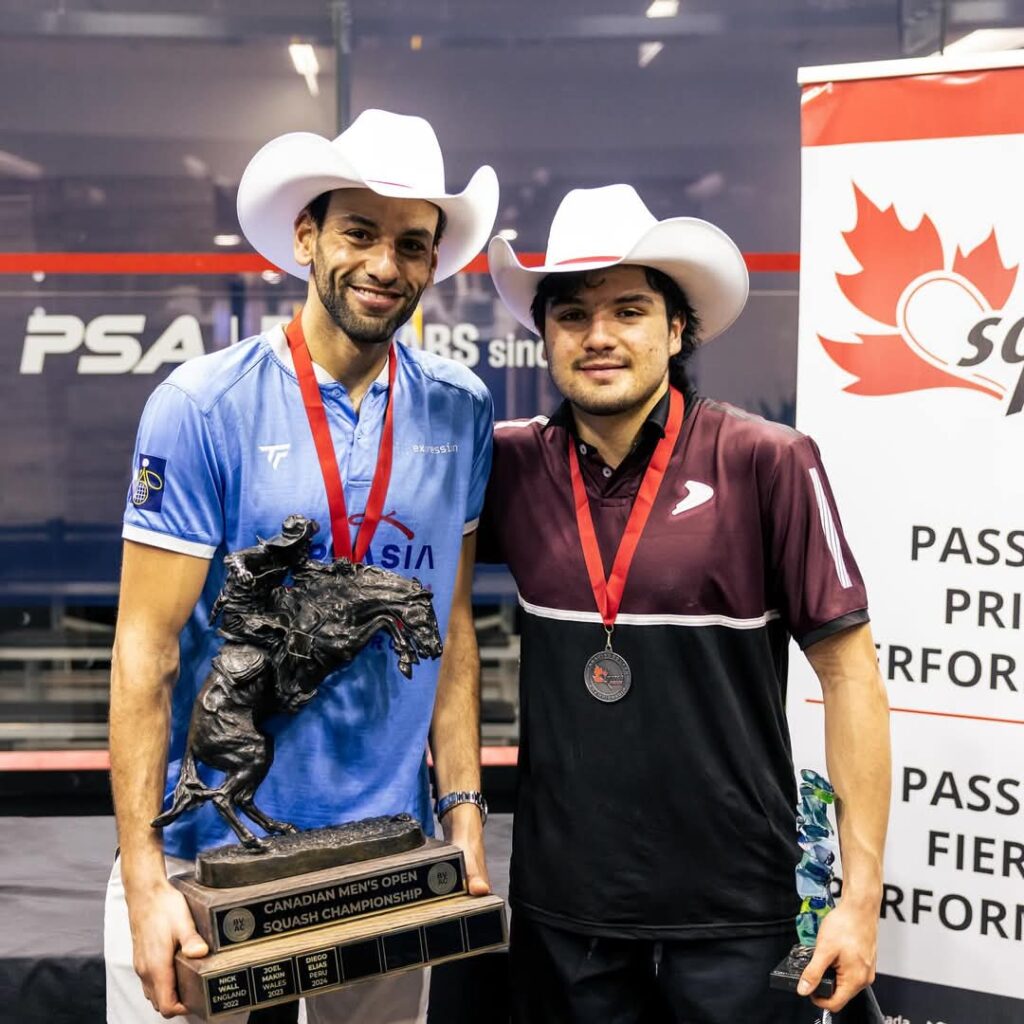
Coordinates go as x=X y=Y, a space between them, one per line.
x=229 y=918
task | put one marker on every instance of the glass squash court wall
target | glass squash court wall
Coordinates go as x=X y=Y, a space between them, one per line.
x=123 y=134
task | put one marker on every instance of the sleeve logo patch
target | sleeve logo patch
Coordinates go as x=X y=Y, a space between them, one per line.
x=148 y=483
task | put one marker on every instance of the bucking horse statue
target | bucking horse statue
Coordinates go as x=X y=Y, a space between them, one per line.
x=288 y=622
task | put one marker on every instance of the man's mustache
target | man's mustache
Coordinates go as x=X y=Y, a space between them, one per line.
x=404 y=293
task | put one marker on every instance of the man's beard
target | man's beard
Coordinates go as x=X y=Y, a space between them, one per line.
x=596 y=403
x=362 y=330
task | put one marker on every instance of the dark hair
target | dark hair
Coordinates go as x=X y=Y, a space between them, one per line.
x=565 y=287
x=317 y=210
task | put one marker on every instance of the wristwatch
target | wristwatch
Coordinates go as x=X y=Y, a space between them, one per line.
x=462 y=796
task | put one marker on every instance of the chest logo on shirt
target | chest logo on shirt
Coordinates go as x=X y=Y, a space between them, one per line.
x=275 y=453
x=697 y=494
x=148 y=483
x=449 y=448
x=410 y=556
x=407 y=557
x=388 y=517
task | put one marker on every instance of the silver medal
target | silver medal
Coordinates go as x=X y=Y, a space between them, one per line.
x=607 y=676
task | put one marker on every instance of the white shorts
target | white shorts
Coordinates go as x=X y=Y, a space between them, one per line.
x=398 y=1000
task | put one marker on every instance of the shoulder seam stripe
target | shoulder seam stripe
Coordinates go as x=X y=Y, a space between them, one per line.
x=638 y=619
x=206 y=408
x=467 y=388
x=517 y=424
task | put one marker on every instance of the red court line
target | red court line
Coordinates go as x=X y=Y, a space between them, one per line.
x=132 y=263
x=99 y=760
x=772 y=262
x=54 y=760
x=499 y=757
x=942 y=714
x=184 y=263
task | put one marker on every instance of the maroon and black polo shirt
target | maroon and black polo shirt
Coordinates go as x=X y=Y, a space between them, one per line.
x=670 y=813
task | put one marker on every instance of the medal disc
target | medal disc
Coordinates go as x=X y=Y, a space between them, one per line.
x=607 y=677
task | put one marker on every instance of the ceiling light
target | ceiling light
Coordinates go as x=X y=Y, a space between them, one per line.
x=705 y=187
x=272 y=277
x=304 y=58
x=195 y=167
x=14 y=166
x=986 y=39
x=663 y=9
x=226 y=239
x=509 y=234
x=38 y=276
x=646 y=52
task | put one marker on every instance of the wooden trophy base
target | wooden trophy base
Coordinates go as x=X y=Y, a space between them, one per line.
x=327 y=958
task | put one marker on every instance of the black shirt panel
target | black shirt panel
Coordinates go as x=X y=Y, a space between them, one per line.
x=670 y=812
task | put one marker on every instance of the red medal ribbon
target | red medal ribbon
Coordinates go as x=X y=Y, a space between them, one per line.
x=317 y=417
x=608 y=594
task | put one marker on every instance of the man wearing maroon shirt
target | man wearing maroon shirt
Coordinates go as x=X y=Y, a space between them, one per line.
x=665 y=548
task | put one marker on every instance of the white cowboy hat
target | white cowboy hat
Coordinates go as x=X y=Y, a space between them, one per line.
x=390 y=154
x=605 y=227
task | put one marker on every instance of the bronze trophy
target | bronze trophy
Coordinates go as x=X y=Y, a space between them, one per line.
x=298 y=913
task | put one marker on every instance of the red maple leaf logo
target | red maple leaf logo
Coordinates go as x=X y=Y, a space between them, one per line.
x=902 y=271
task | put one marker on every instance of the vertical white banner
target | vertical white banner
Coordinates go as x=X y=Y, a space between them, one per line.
x=911 y=379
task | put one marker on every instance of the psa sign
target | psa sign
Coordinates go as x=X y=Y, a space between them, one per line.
x=108 y=344
x=113 y=343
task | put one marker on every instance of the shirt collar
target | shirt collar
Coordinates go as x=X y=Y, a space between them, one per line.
x=654 y=425
x=279 y=346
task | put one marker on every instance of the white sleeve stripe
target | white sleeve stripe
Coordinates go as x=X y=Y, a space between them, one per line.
x=504 y=424
x=471 y=526
x=831 y=533
x=835 y=546
x=828 y=528
x=164 y=540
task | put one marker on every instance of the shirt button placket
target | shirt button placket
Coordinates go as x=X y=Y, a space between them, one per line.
x=362 y=437
x=348 y=432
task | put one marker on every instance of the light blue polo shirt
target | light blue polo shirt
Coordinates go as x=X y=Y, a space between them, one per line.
x=224 y=453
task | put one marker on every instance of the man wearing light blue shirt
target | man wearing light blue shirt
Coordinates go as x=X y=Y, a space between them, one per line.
x=224 y=453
